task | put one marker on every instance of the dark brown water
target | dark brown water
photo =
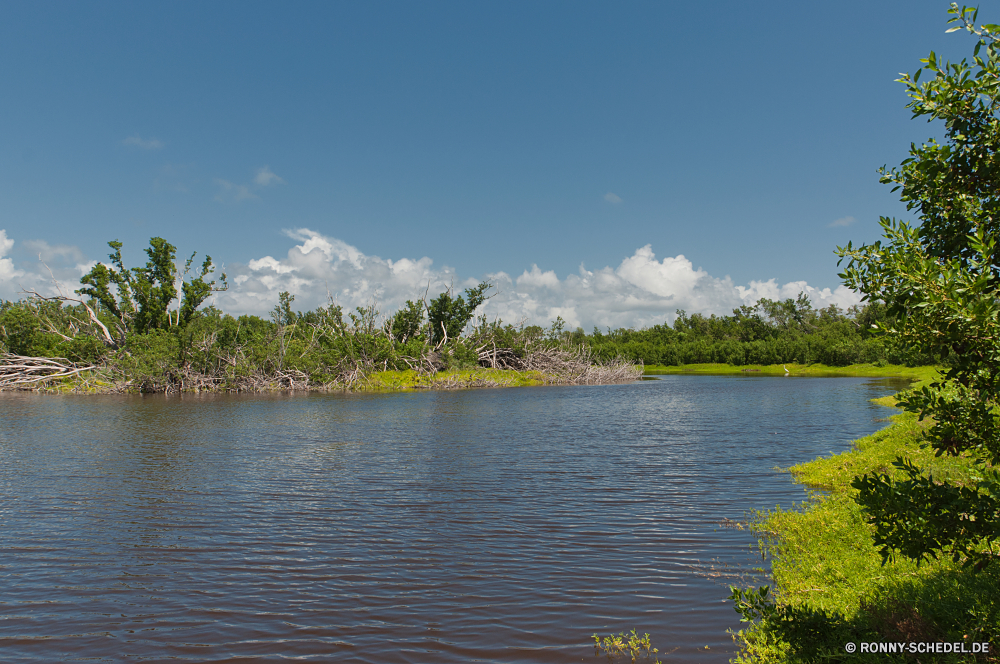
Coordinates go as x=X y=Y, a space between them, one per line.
x=487 y=525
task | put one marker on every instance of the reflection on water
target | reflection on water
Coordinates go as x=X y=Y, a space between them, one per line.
x=487 y=525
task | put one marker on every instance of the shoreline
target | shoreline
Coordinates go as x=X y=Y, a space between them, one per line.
x=99 y=382
x=102 y=380
x=811 y=370
x=824 y=563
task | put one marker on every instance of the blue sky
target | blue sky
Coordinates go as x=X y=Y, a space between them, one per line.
x=490 y=138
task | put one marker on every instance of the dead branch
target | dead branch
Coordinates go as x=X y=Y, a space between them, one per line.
x=108 y=340
x=21 y=372
x=570 y=366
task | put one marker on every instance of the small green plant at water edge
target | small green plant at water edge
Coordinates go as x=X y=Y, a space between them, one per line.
x=752 y=603
x=623 y=645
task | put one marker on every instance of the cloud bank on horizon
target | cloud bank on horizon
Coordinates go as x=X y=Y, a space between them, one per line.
x=641 y=291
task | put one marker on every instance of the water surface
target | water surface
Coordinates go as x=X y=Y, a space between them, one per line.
x=483 y=525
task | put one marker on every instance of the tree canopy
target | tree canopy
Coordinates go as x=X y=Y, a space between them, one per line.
x=140 y=298
x=939 y=279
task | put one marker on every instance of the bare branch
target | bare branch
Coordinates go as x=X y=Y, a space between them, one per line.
x=108 y=340
x=19 y=371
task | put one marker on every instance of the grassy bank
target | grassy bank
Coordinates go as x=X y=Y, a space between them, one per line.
x=109 y=380
x=95 y=382
x=443 y=380
x=106 y=342
x=866 y=370
x=830 y=584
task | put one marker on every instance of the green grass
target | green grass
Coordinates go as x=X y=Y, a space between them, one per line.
x=867 y=370
x=451 y=379
x=380 y=381
x=828 y=574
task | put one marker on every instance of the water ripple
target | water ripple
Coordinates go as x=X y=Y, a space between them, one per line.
x=489 y=525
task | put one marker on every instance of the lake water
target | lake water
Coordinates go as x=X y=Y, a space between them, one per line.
x=470 y=526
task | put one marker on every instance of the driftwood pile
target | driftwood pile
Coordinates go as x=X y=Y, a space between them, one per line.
x=188 y=380
x=20 y=372
x=554 y=366
x=561 y=365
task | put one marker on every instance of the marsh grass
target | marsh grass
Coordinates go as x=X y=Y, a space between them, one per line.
x=453 y=379
x=104 y=381
x=625 y=647
x=860 y=370
x=831 y=585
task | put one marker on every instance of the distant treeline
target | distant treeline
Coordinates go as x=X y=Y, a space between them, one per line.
x=770 y=332
x=140 y=330
x=211 y=349
x=145 y=328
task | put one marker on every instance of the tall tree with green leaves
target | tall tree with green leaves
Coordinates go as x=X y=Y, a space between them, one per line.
x=447 y=315
x=140 y=298
x=940 y=282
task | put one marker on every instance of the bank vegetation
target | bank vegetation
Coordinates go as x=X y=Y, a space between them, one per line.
x=133 y=330
x=145 y=329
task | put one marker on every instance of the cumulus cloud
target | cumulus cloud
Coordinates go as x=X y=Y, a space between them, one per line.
x=612 y=198
x=319 y=267
x=7 y=271
x=266 y=177
x=230 y=192
x=639 y=292
x=143 y=143
x=843 y=221
x=48 y=269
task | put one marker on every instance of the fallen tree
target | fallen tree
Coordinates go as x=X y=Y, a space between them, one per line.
x=20 y=372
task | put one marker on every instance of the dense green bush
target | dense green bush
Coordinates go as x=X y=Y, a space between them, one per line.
x=323 y=346
x=137 y=323
x=789 y=331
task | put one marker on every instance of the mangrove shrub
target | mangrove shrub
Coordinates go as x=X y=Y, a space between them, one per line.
x=940 y=282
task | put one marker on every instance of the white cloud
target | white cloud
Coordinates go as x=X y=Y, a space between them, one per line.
x=144 y=143
x=7 y=272
x=537 y=280
x=843 y=221
x=612 y=198
x=318 y=265
x=230 y=192
x=6 y=244
x=265 y=177
x=50 y=270
x=47 y=252
x=639 y=292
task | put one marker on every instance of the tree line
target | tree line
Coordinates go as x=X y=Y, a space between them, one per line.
x=149 y=322
x=768 y=332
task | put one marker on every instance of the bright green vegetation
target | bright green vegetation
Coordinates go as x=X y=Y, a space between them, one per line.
x=832 y=587
x=624 y=646
x=145 y=329
x=863 y=370
x=182 y=347
x=133 y=329
x=457 y=378
x=904 y=545
x=940 y=282
x=770 y=332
